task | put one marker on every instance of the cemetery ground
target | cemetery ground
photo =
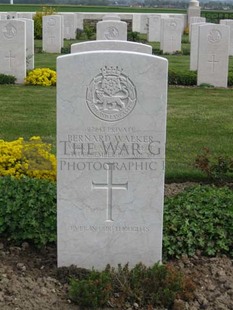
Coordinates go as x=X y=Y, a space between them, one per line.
x=198 y=117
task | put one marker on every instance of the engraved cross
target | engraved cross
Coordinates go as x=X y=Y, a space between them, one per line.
x=109 y=186
x=51 y=39
x=213 y=62
x=10 y=57
x=172 y=42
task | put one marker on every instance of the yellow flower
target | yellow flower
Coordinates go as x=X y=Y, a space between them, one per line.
x=31 y=158
x=41 y=76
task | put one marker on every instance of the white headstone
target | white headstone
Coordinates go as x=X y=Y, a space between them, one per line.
x=13 y=48
x=111 y=17
x=29 y=43
x=171 y=35
x=193 y=10
x=194 y=41
x=182 y=18
x=213 y=55
x=140 y=23
x=52 y=33
x=111 y=30
x=11 y=15
x=3 y=16
x=111 y=45
x=69 y=26
x=26 y=15
x=111 y=128
x=79 y=21
x=195 y=20
x=154 y=28
x=229 y=22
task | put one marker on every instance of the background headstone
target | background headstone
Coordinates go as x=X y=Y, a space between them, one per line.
x=195 y=20
x=213 y=55
x=171 y=35
x=11 y=15
x=111 y=30
x=111 y=127
x=13 y=48
x=193 y=10
x=229 y=22
x=26 y=15
x=194 y=41
x=154 y=22
x=69 y=25
x=52 y=33
x=140 y=23
x=111 y=45
x=29 y=43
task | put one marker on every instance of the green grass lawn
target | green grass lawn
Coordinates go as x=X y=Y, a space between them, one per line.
x=197 y=118
x=83 y=8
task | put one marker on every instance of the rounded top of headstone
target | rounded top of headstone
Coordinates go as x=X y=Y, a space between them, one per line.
x=194 y=3
x=111 y=17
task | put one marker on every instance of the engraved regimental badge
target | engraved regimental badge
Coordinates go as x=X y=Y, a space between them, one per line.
x=214 y=36
x=111 y=95
x=111 y=33
x=9 y=31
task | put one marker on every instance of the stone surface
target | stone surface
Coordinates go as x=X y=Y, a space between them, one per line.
x=111 y=128
x=69 y=26
x=111 y=30
x=194 y=41
x=26 y=15
x=229 y=22
x=213 y=55
x=112 y=17
x=195 y=20
x=154 y=22
x=13 y=48
x=193 y=10
x=29 y=43
x=171 y=34
x=111 y=45
x=140 y=23
x=11 y=15
x=80 y=17
x=52 y=33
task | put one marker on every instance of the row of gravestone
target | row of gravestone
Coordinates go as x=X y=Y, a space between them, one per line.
x=72 y=21
x=168 y=31
x=211 y=46
x=16 y=47
x=209 y=49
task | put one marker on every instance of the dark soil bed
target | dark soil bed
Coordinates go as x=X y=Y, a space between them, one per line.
x=30 y=280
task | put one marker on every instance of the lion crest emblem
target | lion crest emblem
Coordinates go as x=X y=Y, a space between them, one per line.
x=111 y=95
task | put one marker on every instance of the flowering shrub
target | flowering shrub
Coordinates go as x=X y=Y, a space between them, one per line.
x=41 y=76
x=38 y=20
x=33 y=159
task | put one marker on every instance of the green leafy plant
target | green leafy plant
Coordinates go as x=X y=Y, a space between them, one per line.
x=89 y=30
x=94 y=291
x=206 y=85
x=158 y=285
x=230 y=78
x=200 y=218
x=186 y=78
x=218 y=169
x=38 y=20
x=133 y=36
x=28 y=210
x=79 y=33
x=66 y=49
x=7 y=79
